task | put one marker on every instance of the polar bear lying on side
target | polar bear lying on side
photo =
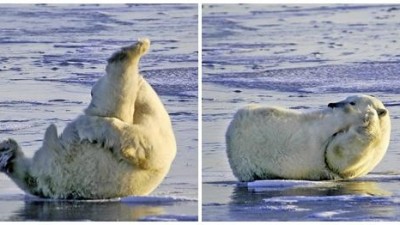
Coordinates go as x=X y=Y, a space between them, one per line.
x=123 y=144
x=346 y=140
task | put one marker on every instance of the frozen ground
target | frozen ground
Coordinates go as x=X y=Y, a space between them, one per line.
x=301 y=57
x=52 y=55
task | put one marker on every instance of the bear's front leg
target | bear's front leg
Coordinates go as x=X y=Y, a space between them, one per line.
x=112 y=134
x=102 y=131
x=349 y=152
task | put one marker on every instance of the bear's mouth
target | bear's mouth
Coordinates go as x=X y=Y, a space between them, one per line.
x=341 y=131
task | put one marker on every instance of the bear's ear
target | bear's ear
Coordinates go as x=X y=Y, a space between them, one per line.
x=381 y=112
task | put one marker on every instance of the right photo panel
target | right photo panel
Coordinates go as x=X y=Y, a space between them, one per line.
x=301 y=112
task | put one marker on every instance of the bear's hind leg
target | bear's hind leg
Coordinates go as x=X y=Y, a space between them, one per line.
x=8 y=151
x=16 y=166
x=114 y=94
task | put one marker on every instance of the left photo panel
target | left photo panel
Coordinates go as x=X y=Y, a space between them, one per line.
x=99 y=112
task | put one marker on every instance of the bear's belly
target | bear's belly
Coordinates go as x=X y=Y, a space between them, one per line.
x=91 y=172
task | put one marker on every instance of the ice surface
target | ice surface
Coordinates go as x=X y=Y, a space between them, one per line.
x=170 y=218
x=302 y=48
x=155 y=199
x=342 y=198
x=327 y=214
x=283 y=183
x=367 y=77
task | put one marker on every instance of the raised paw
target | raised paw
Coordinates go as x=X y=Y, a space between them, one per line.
x=136 y=156
x=8 y=150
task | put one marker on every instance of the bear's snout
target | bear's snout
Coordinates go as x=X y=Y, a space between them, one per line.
x=336 y=104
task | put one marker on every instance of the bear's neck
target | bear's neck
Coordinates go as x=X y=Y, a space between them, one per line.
x=332 y=121
x=320 y=115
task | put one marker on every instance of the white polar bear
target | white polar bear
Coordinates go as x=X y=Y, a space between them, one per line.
x=346 y=140
x=123 y=144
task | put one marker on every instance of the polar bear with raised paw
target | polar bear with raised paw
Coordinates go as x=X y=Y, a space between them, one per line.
x=122 y=145
x=345 y=140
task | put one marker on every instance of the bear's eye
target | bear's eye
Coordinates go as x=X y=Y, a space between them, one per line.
x=352 y=103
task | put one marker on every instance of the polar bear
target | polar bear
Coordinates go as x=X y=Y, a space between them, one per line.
x=343 y=141
x=122 y=145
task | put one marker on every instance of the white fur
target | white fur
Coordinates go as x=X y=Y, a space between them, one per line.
x=123 y=144
x=345 y=141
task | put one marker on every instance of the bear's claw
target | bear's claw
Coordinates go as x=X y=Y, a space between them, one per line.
x=7 y=150
x=5 y=158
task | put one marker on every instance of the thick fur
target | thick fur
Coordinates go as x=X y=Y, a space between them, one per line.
x=346 y=140
x=123 y=144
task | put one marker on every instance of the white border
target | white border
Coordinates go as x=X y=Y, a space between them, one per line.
x=200 y=110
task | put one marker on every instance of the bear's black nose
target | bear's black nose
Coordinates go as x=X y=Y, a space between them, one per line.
x=332 y=105
x=338 y=104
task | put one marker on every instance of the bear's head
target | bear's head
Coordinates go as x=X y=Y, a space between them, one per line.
x=357 y=149
x=361 y=103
